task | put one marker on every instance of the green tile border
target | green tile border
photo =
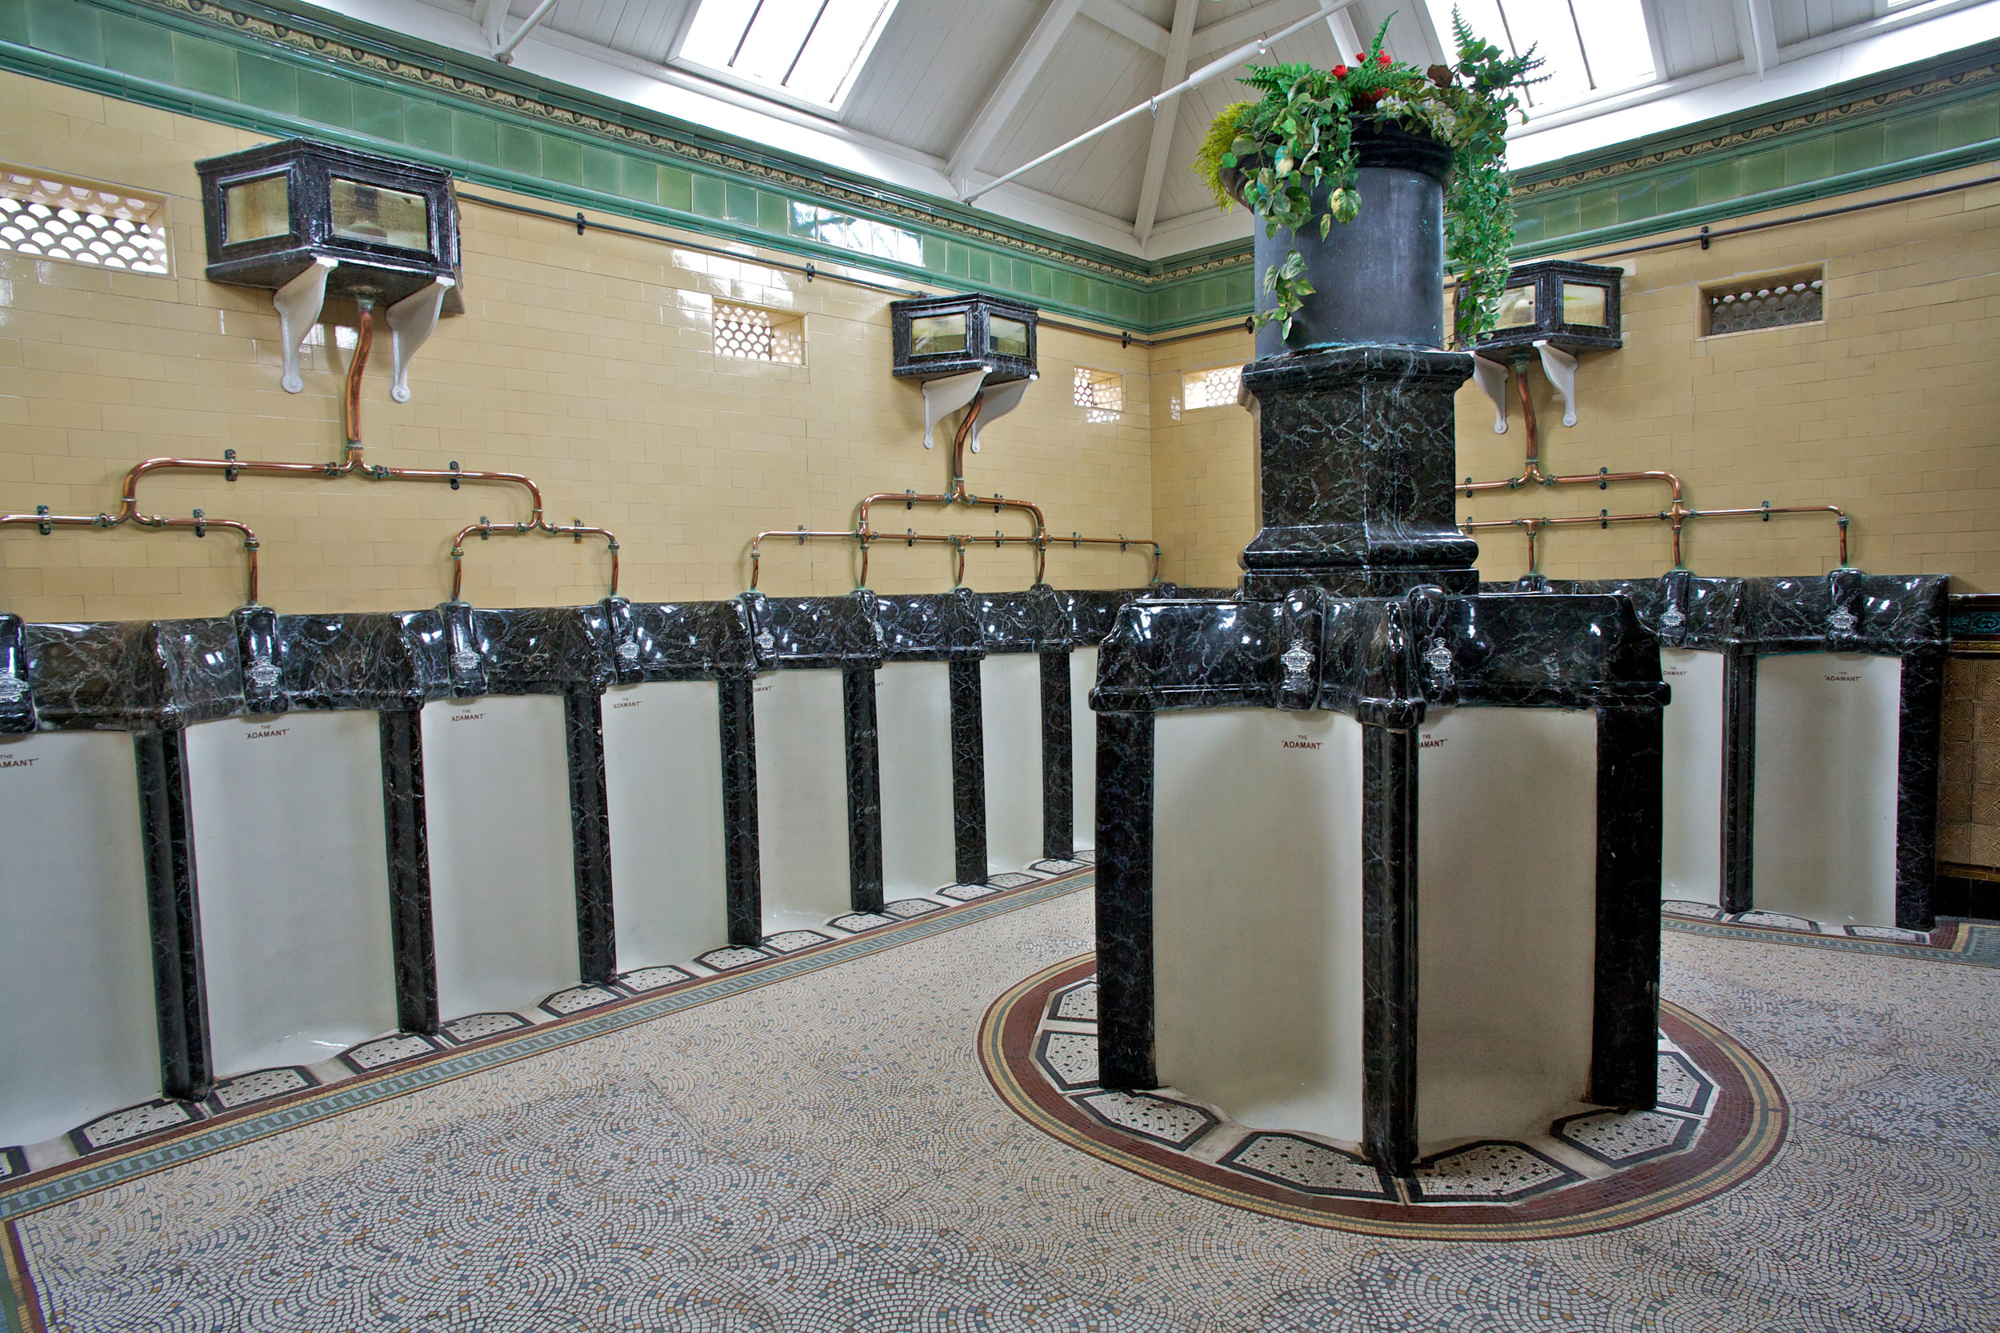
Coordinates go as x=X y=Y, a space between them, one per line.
x=281 y=67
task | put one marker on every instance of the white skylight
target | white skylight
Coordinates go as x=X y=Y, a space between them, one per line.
x=803 y=51
x=1593 y=47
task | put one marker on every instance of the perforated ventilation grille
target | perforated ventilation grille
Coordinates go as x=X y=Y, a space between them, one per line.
x=1765 y=303
x=760 y=335
x=84 y=223
x=1100 y=393
x=1211 y=388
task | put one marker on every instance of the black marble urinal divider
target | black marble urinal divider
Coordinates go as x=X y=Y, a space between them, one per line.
x=407 y=840
x=1124 y=900
x=590 y=829
x=737 y=714
x=1058 y=759
x=864 y=789
x=1919 y=733
x=1389 y=964
x=180 y=988
x=1739 y=774
x=1624 y=1054
x=968 y=772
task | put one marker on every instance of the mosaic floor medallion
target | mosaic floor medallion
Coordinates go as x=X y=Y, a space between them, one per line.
x=1719 y=1120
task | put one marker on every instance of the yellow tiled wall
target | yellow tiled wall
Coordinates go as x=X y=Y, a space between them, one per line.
x=584 y=362
x=1890 y=408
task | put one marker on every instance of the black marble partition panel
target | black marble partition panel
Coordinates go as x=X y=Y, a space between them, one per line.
x=531 y=650
x=590 y=835
x=864 y=790
x=17 y=698
x=1624 y=1060
x=669 y=641
x=1920 y=725
x=738 y=724
x=412 y=942
x=133 y=676
x=968 y=772
x=1091 y=614
x=1033 y=621
x=1389 y=947
x=815 y=633
x=357 y=661
x=1058 y=760
x=1739 y=776
x=173 y=908
x=1124 y=896
x=928 y=627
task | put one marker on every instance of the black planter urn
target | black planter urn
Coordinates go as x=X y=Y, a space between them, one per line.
x=1355 y=417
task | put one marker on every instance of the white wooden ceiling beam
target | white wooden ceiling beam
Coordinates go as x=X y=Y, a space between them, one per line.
x=1757 y=33
x=1007 y=94
x=1219 y=36
x=1134 y=27
x=1165 y=114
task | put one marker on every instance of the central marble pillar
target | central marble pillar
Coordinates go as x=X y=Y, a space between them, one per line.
x=1355 y=456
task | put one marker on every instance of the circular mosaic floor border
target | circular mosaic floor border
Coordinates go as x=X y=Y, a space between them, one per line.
x=1743 y=1129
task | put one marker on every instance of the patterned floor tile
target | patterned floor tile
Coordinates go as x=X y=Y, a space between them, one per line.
x=474 y=1026
x=1488 y=1173
x=860 y=921
x=1894 y=933
x=1774 y=920
x=1701 y=911
x=791 y=941
x=905 y=908
x=1683 y=1087
x=1011 y=881
x=1069 y=1059
x=965 y=893
x=1077 y=1004
x=134 y=1122
x=1302 y=1164
x=735 y=956
x=387 y=1051
x=260 y=1086
x=652 y=978
x=577 y=999
x=1175 y=1124
x=1056 y=866
x=1620 y=1138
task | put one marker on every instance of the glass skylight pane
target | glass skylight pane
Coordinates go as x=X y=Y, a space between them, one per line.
x=1593 y=47
x=809 y=49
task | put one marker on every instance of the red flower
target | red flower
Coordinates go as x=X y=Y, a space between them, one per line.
x=1340 y=71
x=1362 y=56
x=1382 y=59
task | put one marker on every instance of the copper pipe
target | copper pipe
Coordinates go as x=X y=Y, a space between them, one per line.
x=578 y=531
x=364 y=340
x=958 y=443
x=200 y=524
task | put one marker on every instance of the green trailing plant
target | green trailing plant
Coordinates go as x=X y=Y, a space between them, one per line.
x=1274 y=154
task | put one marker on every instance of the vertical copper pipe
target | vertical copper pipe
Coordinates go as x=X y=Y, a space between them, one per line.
x=1534 y=468
x=364 y=340
x=958 y=445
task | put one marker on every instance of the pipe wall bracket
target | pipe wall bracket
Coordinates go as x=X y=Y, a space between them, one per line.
x=299 y=303
x=999 y=402
x=1560 y=367
x=1491 y=377
x=411 y=321
x=946 y=395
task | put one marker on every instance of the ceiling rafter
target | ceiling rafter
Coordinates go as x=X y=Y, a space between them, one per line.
x=1133 y=26
x=1007 y=94
x=1165 y=113
x=1221 y=35
x=1757 y=32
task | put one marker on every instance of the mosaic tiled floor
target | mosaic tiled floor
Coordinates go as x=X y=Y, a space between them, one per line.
x=808 y=1143
x=1719 y=1120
